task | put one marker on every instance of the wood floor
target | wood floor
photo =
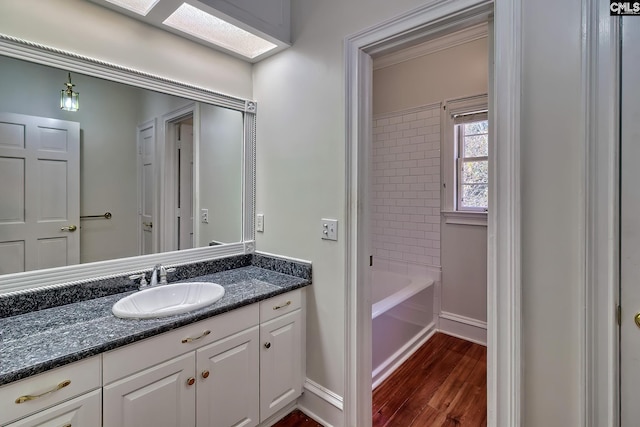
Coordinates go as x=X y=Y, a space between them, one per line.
x=443 y=384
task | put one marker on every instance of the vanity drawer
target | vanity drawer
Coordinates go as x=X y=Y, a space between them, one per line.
x=49 y=388
x=279 y=305
x=141 y=355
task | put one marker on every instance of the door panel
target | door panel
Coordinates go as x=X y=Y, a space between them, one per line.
x=159 y=396
x=229 y=395
x=630 y=223
x=280 y=363
x=39 y=192
x=12 y=175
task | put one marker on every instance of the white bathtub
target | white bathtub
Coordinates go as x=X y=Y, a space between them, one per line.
x=402 y=319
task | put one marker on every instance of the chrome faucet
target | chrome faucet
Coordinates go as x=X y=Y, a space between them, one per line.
x=160 y=270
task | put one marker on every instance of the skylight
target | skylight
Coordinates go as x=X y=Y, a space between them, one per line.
x=205 y=26
x=141 y=7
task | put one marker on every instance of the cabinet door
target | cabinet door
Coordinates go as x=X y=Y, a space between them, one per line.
x=160 y=396
x=280 y=363
x=85 y=410
x=228 y=391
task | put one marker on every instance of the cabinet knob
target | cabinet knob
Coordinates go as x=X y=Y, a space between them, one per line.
x=205 y=374
x=267 y=345
x=191 y=381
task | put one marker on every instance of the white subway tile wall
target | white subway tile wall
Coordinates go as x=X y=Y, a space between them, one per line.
x=406 y=186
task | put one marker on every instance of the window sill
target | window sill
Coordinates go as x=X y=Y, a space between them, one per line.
x=465 y=218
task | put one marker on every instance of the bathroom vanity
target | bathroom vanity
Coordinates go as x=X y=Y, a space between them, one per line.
x=237 y=362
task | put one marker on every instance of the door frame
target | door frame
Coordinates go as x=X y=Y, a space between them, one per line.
x=598 y=398
x=503 y=293
x=167 y=161
x=600 y=293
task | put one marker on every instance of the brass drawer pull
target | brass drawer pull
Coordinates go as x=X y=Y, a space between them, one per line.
x=188 y=340
x=28 y=397
x=286 y=304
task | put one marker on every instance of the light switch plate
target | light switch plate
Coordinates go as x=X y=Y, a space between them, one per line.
x=260 y=222
x=329 y=229
x=204 y=216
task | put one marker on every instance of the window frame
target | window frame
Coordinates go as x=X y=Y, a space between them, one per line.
x=449 y=154
x=461 y=159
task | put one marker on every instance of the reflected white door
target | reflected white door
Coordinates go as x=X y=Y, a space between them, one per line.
x=146 y=180
x=185 y=186
x=39 y=193
x=630 y=224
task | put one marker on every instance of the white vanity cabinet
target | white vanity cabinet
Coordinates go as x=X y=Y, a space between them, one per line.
x=161 y=396
x=235 y=369
x=228 y=393
x=85 y=410
x=44 y=399
x=212 y=384
x=281 y=356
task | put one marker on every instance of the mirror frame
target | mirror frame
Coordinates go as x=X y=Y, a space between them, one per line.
x=33 y=52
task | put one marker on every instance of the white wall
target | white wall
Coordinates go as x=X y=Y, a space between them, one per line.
x=301 y=161
x=449 y=73
x=87 y=29
x=552 y=152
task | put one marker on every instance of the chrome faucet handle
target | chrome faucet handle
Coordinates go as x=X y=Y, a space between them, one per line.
x=143 y=280
x=163 y=274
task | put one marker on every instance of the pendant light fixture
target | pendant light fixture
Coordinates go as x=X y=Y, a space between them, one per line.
x=69 y=99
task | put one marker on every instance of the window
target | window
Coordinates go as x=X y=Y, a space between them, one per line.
x=465 y=164
x=472 y=147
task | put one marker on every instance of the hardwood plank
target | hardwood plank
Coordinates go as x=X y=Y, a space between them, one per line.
x=297 y=419
x=461 y=394
x=429 y=417
x=433 y=369
x=450 y=386
x=417 y=399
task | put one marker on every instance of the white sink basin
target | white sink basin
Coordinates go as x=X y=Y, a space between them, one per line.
x=167 y=300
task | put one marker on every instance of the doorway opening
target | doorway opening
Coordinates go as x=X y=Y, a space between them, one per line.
x=428 y=227
x=503 y=287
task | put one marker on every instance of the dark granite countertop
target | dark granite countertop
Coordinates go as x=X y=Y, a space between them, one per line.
x=35 y=342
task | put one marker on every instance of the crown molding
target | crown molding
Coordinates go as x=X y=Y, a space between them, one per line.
x=448 y=41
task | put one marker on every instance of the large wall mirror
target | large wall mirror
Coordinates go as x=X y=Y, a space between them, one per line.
x=146 y=170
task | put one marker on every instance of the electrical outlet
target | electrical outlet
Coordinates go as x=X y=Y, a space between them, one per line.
x=204 y=216
x=329 y=229
x=260 y=222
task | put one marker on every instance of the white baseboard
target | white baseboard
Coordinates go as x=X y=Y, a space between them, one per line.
x=321 y=404
x=387 y=367
x=463 y=327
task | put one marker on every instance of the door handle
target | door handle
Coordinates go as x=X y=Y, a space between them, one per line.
x=148 y=224
x=70 y=228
